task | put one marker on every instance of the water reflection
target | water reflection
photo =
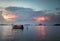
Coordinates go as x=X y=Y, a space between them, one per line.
x=11 y=34
x=7 y=32
x=30 y=33
x=41 y=31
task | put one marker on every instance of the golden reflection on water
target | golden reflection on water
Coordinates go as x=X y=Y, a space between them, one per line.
x=41 y=31
x=7 y=32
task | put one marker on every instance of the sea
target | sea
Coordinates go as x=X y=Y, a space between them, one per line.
x=30 y=33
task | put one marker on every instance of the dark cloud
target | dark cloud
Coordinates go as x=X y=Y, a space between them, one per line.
x=57 y=8
x=54 y=17
x=58 y=12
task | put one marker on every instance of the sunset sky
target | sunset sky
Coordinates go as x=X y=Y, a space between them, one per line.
x=31 y=10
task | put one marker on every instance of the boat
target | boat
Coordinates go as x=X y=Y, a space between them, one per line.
x=18 y=27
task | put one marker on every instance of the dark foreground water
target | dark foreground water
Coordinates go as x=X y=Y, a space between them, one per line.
x=30 y=33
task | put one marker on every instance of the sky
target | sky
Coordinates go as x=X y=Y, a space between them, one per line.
x=30 y=11
x=34 y=4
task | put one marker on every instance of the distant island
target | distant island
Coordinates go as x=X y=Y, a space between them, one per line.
x=3 y=24
x=56 y=24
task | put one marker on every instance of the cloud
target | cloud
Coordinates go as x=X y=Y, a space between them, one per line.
x=54 y=18
x=57 y=8
x=27 y=14
x=58 y=12
x=22 y=13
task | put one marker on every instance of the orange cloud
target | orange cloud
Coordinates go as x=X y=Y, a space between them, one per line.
x=8 y=16
x=40 y=18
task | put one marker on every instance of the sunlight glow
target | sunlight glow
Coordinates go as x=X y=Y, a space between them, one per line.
x=8 y=16
x=40 y=18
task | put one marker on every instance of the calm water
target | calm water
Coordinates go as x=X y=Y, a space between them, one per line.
x=30 y=33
